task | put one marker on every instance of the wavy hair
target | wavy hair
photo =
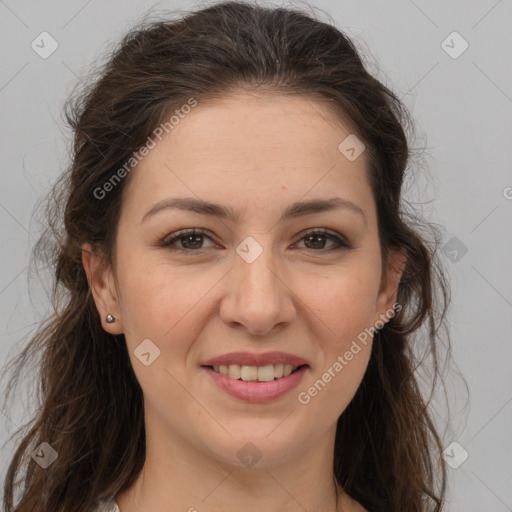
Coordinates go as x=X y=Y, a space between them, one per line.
x=387 y=449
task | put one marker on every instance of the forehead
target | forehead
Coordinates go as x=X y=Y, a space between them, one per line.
x=245 y=123
x=252 y=146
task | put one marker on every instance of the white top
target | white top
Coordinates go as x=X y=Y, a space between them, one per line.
x=107 y=505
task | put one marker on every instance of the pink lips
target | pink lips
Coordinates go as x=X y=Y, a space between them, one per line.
x=252 y=359
x=253 y=391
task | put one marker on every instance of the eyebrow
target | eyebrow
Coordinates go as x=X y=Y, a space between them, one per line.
x=294 y=210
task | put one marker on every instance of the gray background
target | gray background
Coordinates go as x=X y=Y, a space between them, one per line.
x=463 y=112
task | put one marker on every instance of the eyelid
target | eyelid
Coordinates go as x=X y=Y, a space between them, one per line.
x=341 y=241
x=176 y=235
x=323 y=231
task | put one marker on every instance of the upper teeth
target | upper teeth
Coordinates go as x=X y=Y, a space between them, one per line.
x=260 y=373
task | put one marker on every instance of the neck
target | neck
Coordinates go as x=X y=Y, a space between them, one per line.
x=179 y=476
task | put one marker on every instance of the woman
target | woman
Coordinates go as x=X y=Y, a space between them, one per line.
x=236 y=287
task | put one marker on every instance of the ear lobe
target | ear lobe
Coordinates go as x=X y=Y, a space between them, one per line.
x=397 y=260
x=101 y=283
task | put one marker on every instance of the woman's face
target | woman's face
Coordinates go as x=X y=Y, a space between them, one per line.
x=251 y=281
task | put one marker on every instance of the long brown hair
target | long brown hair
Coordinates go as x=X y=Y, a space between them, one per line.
x=387 y=451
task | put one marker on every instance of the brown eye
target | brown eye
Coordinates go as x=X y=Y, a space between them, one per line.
x=316 y=241
x=192 y=240
x=189 y=240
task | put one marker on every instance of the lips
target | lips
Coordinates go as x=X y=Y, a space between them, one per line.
x=256 y=391
x=252 y=359
x=265 y=373
x=255 y=377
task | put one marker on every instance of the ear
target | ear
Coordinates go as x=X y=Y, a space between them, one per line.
x=101 y=282
x=386 y=299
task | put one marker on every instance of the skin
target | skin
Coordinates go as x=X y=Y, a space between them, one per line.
x=256 y=153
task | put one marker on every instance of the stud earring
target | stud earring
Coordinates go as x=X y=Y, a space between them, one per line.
x=110 y=319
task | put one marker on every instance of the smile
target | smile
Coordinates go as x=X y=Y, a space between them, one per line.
x=245 y=384
x=266 y=373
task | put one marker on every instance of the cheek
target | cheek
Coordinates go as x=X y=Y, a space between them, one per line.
x=344 y=300
x=164 y=302
x=346 y=303
x=345 y=375
x=328 y=392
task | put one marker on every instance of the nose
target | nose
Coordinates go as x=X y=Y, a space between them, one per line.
x=258 y=296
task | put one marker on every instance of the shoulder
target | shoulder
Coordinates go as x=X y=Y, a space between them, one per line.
x=107 y=504
x=350 y=504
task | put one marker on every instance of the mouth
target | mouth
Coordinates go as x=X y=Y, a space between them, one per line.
x=256 y=377
x=265 y=373
x=257 y=384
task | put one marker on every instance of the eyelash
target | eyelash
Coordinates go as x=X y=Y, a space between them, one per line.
x=168 y=243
